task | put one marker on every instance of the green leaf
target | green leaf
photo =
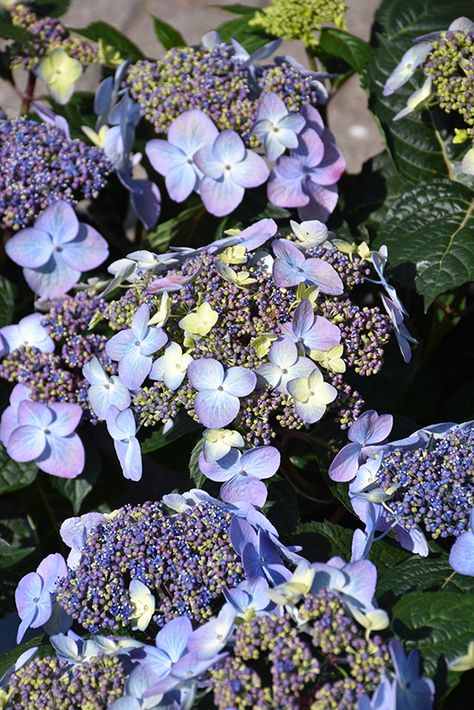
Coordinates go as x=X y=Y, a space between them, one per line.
x=421 y=574
x=439 y=624
x=420 y=150
x=183 y=223
x=10 y=657
x=249 y=37
x=346 y=46
x=183 y=425
x=111 y=36
x=195 y=473
x=16 y=536
x=167 y=35
x=7 y=301
x=51 y=8
x=10 y=555
x=13 y=475
x=236 y=9
x=429 y=232
x=9 y=31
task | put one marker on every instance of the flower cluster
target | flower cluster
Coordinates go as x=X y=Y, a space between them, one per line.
x=182 y=563
x=421 y=484
x=40 y=165
x=447 y=61
x=48 y=34
x=218 y=81
x=292 y=19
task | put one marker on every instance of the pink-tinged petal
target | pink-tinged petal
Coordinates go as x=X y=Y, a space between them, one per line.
x=67 y=418
x=216 y=409
x=164 y=156
x=323 y=336
x=8 y=423
x=28 y=589
x=181 y=181
x=87 y=251
x=284 y=249
x=310 y=148
x=346 y=464
x=120 y=344
x=174 y=636
x=244 y=488
x=285 y=275
x=26 y=443
x=311 y=411
x=272 y=108
x=221 y=197
x=292 y=122
x=60 y=221
x=134 y=367
x=330 y=169
x=239 y=381
x=51 y=570
x=303 y=318
x=261 y=462
x=207 y=162
x=286 y=192
x=313 y=118
x=221 y=470
x=324 y=276
x=369 y=428
x=191 y=131
x=52 y=280
x=64 y=456
x=250 y=172
x=321 y=204
x=30 y=248
x=206 y=373
x=229 y=147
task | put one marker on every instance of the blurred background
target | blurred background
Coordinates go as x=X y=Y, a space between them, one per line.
x=349 y=118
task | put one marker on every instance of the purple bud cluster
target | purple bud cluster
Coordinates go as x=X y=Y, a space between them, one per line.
x=217 y=82
x=436 y=483
x=50 y=682
x=185 y=560
x=40 y=165
x=48 y=34
x=276 y=663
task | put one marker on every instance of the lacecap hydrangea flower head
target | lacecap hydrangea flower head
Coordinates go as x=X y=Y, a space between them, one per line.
x=248 y=336
x=419 y=487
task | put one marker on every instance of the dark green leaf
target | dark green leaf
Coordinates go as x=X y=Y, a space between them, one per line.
x=51 y=8
x=322 y=540
x=346 y=46
x=13 y=475
x=440 y=624
x=236 y=9
x=10 y=555
x=111 y=36
x=183 y=425
x=161 y=237
x=7 y=301
x=282 y=508
x=76 y=489
x=249 y=37
x=418 y=143
x=197 y=477
x=9 y=31
x=420 y=574
x=167 y=35
x=429 y=232
x=10 y=657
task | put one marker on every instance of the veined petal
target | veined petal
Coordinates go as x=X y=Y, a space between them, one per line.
x=88 y=250
x=346 y=463
x=239 y=381
x=59 y=221
x=244 y=488
x=67 y=418
x=53 y=279
x=222 y=196
x=207 y=162
x=310 y=411
x=120 y=344
x=286 y=192
x=206 y=373
x=174 y=636
x=250 y=172
x=63 y=457
x=164 y=156
x=222 y=469
x=181 y=181
x=216 y=409
x=191 y=131
x=30 y=247
x=134 y=367
x=26 y=443
x=261 y=462
x=229 y=147
x=323 y=275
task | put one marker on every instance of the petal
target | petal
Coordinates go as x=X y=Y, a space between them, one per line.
x=32 y=331
x=369 y=428
x=130 y=457
x=67 y=418
x=244 y=488
x=53 y=279
x=145 y=199
x=346 y=463
x=173 y=638
x=286 y=192
x=293 y=122
x=29 y=588
x=272 y=108
x=250 y=172
x=229 y=147
x=216 y=409
x=272 y=374
x=283 y=353
x=86 y=251
x=310 y=148
x=191 y=131
x=222 y=469
x=285 y=274
x=311 y=411
x=134 y=367
x=324 y=276
x=60 y=221
x=206 y=373
x=139 y=326
x=323 y=336
x=220 y=197
x=181 y=181
x=52 y=569
x=94 y=373
x=239 y=381
x=26 y=443
x=321 y=202
x=164 y=156
x=34 y=413
x=273 y=145
x=120 y=344
x=461 y=557
x=261 y=462
x=207 y=162
x=154 y=341
x=64 y=456
x=30 y=247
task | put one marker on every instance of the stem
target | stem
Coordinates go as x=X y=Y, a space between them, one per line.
x=447 y=580
x=28 y=95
